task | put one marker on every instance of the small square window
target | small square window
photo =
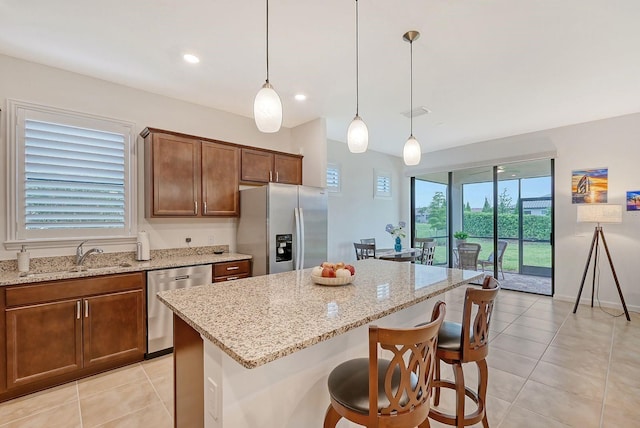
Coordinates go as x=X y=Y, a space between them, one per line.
x=333 y=178
x=381 y=184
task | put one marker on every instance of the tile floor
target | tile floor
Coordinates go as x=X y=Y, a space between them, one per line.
x=547 y=368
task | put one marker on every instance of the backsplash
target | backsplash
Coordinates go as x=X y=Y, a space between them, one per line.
x=56 y=264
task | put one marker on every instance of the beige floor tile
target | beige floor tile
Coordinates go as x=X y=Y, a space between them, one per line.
x=65 y=416
x=164 y=388
x=161 y=366
x=618 y=417
x=579 y=382
x=38 y=402
x=116 y=402
x=510 y=309
x=504 y=316
x=504 y=385
x=542 y=324
x=623 y=395
x=557 y=318
x=598 y=344
x=511 y=362
x=154 y=416
x=111 y=379
x=518 y=417
x=496 y=326
x=560 y=405
x=518 y=345
x=530 y=333
x=582 y=360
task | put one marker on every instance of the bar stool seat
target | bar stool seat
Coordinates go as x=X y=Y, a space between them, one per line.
x=465 y=342
x=395 y=392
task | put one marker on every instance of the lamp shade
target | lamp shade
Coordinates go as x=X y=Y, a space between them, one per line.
x=411 y=152
x=357 y=136
x=267 y=109
x=599 y=213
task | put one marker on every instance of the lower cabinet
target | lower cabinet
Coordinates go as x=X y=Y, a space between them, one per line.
x=228 y=271
x=63 y=330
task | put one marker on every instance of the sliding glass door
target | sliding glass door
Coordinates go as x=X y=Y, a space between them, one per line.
x=430 y=220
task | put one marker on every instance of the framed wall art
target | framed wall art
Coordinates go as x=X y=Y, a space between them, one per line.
x=633 y=200
x=589 y=186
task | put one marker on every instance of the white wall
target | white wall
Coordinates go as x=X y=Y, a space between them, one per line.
x=354 y=213
x=310 y=140
x=36 y=83
x=611 y=143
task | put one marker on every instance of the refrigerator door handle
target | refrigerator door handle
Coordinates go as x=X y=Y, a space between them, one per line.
x=296 y=262
x=301 y=238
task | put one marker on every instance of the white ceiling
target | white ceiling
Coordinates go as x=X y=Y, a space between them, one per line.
x=485 y=68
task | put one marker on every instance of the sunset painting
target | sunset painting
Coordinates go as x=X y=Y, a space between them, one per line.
x=589 y=186
x=633 y=200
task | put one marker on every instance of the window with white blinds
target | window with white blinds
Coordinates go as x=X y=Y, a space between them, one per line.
x=381 y=184
x=333 y=178
x=72 y=175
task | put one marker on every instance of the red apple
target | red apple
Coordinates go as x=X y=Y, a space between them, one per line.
x=328 y=273
x=351 y=269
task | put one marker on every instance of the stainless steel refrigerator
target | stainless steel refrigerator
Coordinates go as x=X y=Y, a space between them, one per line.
x=284 y=227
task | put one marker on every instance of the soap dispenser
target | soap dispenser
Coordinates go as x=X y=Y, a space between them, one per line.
x=23 y=260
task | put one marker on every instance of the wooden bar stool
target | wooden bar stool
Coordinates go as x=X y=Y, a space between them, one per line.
x=463 y=343
x=376 y=392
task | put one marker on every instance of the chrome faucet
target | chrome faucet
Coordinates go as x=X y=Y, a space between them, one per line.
x=81 y=255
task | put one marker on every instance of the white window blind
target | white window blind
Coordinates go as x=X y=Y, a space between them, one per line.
x=73 y=177
x=333 y=178
x=382 y=184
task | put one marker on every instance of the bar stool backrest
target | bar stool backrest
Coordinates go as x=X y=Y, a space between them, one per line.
x=475 y=331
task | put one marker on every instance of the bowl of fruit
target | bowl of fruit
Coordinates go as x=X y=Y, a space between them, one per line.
x=333 y=274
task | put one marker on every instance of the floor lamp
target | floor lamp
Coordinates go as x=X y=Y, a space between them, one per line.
x=599 y=213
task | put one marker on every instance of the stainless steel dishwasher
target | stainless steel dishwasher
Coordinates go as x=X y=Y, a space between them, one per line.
x=159 y=316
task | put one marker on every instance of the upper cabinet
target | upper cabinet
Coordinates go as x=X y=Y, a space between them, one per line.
x=187 y=177
x=262 y=166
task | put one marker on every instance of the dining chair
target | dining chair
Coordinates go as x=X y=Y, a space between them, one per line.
x=391 y=393
x=364 y=251
x=468 y=256
x=502 y=246
x=427 y=251
x=465 y=343
x=369 y=241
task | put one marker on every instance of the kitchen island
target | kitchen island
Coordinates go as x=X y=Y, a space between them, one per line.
x=257 y=352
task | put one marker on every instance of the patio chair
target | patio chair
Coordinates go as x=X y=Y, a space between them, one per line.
x=468 y=256
x=502 y=245
x=428 y=249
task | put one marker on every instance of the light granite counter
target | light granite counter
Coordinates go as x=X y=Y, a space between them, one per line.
x=257 y=320
x=56 y=268
x=257 y=351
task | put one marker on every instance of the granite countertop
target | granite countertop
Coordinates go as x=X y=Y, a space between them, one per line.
x=55 y=268
x=260 y=319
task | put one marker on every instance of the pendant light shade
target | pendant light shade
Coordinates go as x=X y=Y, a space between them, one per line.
x=412 y=151
x=267 y=107
x=357 y=134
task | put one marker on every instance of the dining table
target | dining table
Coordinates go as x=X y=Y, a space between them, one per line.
x=404 y=255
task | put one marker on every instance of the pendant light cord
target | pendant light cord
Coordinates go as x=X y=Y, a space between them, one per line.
x=267 y=41
x=411 y=90
x=357 y=64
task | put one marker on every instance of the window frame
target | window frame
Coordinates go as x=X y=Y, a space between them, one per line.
x=18 y=111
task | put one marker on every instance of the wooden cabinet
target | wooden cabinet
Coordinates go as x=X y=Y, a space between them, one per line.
x=58 y=331
x=228 y=271
x=261 y=166
x=187 y=177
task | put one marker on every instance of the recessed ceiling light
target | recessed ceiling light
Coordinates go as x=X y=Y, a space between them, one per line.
x=300 y=97
x=191 y=59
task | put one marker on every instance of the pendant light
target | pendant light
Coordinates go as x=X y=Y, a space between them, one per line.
x=412 y=151
x=267 y=107
x=357 y=134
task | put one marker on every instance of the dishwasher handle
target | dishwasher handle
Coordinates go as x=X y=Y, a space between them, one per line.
x=181 y=277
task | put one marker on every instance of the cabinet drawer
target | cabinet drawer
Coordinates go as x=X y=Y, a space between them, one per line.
x=72 y=288
x=230 y=277
x=232 y=268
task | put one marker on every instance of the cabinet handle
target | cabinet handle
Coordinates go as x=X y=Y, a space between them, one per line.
x=233 y=268
x=78 y=310
x=86 y=309
x=231 y=278
x=277 y=177
x=205 y=206
x=270 y=175
x=196 y=206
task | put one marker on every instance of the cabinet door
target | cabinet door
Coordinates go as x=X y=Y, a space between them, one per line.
x=257 y=166
x=113 y=327
x=43 y=341
x=288 y=169
x=175 y=169
x=220 y=191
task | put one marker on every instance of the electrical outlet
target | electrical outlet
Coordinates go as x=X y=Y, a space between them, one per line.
x=187 y=240
x=210 y=240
